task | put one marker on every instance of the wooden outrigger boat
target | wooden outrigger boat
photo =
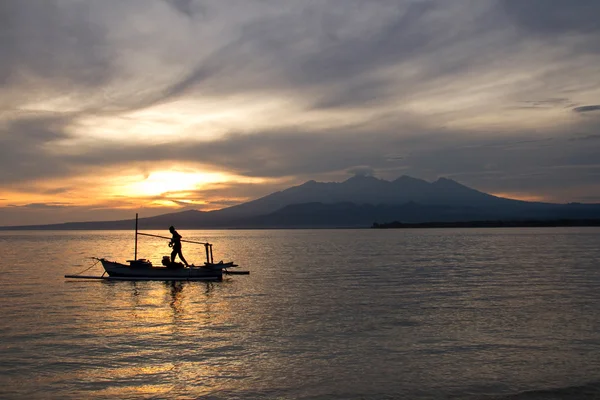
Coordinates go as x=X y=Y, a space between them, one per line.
x=143 y=270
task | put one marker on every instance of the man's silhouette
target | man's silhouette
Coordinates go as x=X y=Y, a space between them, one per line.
x=176 y=244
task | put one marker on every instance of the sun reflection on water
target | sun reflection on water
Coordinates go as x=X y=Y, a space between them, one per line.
x=179 y=335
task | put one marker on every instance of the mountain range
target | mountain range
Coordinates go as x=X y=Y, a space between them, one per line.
x=357 y=202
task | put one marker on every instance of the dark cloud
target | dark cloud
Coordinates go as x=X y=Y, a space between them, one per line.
x=24 y=148
x=58 y=190
x=524 y=165
x=585 y=109
x=555 y=17
x=587 y=137
x=361 y=93
x=544 y=104
x=46 y=206
x=572 y=27
x=62 y=45
x=590 y=199
x=343 y=57
x=185 y=7
x=513 y=144
x=362 y=171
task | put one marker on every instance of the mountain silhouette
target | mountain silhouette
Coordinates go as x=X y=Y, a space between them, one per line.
x=368 y=190
x=357 y=202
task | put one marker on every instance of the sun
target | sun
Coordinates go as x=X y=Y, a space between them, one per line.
x=161 y=182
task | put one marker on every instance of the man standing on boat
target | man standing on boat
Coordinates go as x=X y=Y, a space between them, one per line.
x=176 y=244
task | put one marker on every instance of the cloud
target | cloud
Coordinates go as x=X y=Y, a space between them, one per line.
x=60 y=45
x=220 y=195
x=333 y=57
x=293 y=90
x=586 y=109
x=555 y=17
x=186 y=7
x=587 y=137
x=362 y=52
x=545 y=104
x=553 y=167
x=50 y=214
x=24 y=148
x=46 y=205
x=362 y=171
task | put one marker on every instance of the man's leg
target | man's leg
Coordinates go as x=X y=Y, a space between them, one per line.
x=182 y=259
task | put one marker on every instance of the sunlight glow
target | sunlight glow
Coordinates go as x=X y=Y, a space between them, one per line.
x=521 y=196
x=161 y=182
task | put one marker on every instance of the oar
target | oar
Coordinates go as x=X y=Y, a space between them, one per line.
x=168 y=238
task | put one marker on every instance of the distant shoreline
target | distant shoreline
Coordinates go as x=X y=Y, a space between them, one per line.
x=492 y=224
x=554 y=223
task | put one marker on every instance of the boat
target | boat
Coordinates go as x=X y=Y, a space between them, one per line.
x=143 y=269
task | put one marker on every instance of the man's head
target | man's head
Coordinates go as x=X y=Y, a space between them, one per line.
x=171 y=229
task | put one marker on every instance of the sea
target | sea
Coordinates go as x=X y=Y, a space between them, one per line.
x=497 y=313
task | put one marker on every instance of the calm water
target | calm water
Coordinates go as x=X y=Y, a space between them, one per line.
x=480 y=313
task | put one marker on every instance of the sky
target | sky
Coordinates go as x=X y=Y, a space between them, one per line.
x=108 y=108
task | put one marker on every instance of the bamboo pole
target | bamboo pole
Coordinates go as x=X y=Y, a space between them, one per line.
x=168 y=238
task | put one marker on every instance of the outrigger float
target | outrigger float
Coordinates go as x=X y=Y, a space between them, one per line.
x=143 y=270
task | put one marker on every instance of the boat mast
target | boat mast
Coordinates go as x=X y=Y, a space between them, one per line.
x=209 y=254
x=136 y=234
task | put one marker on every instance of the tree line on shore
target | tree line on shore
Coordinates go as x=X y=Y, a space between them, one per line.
x=490 y=224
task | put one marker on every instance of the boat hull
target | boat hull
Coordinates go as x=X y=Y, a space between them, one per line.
x=123 y=271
